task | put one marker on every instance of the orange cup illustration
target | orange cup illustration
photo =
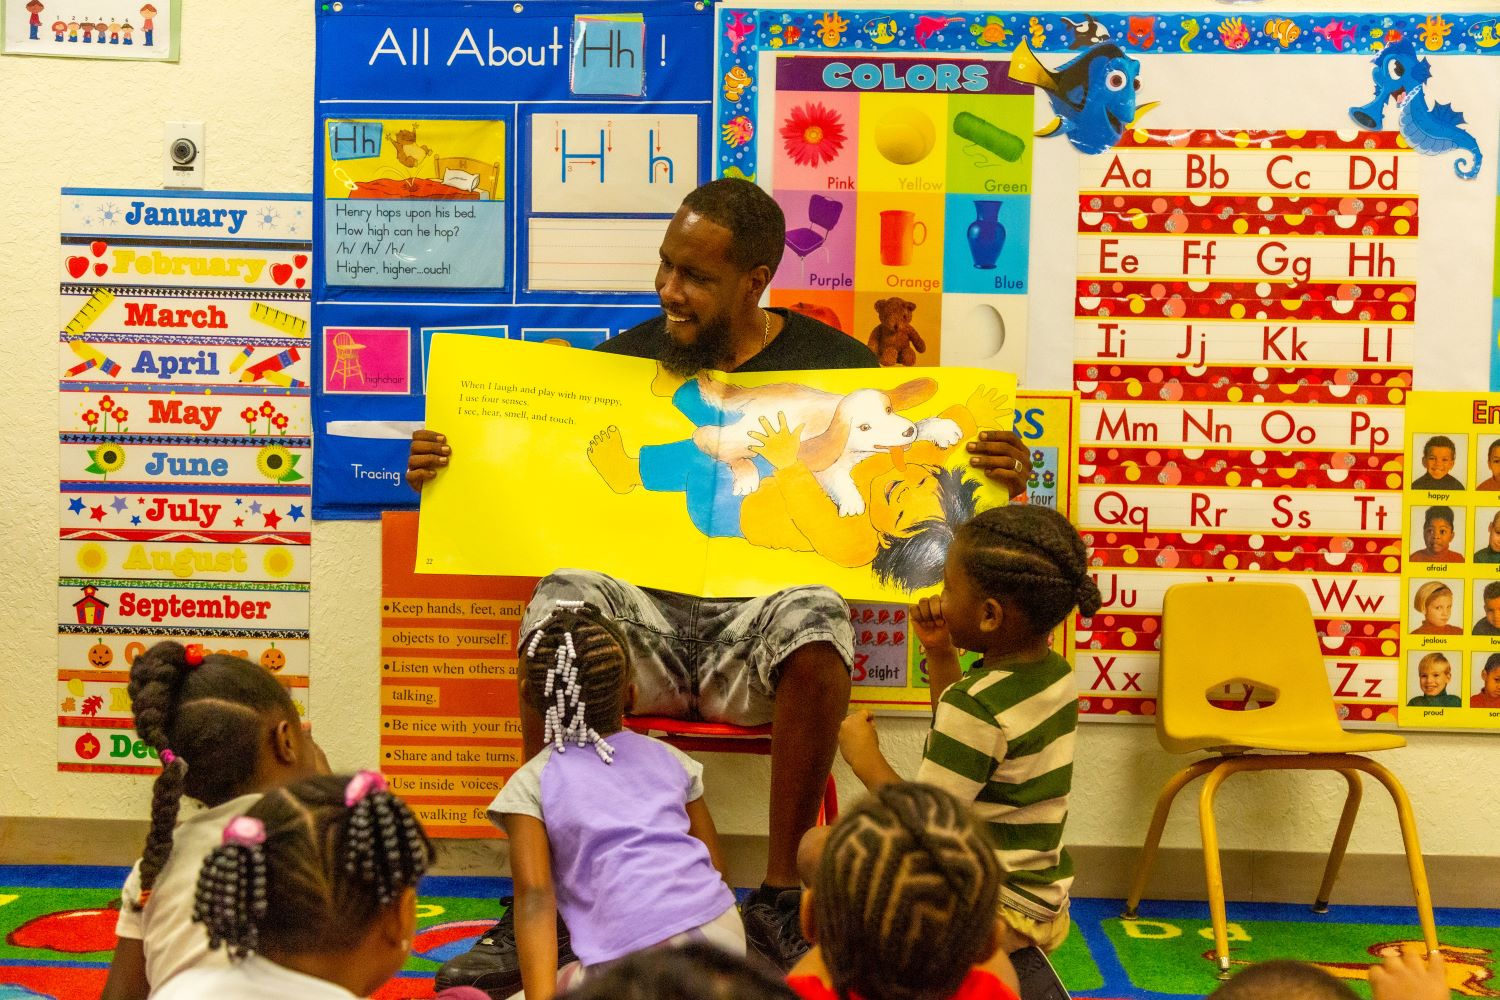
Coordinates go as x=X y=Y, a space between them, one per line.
x=900 y=232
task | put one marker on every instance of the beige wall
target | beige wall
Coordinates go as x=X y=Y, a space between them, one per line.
x=246 y=72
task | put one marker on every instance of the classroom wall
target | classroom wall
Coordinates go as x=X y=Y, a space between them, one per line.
x=246 y=72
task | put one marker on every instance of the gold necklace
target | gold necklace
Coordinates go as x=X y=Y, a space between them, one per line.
x=765 y=333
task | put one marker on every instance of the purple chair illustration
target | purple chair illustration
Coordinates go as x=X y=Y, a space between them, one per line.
x=822 y=215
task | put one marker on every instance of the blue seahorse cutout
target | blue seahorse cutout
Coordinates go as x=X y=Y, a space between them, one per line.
x=1400 y=75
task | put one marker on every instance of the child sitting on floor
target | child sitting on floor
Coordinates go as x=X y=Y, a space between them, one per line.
x=226 y=731
x=312 y=893
x=1002 y=737
x=606 y=825
x=900 y=903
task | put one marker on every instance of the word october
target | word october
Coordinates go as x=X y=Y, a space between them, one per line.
x=917 y=76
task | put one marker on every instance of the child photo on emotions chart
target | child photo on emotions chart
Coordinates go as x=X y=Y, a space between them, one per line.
x=1488 y=554
x=1434 y=605
x=312 y=892
x=1489 y=622
x=1492 y=461
x=1487 y=680
x=1438 y=536
x=1433 y=675
x=1439 y=456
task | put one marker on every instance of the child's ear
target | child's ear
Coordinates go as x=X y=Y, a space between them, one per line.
x=991 y=615
x=806 y=919
x=285 y=742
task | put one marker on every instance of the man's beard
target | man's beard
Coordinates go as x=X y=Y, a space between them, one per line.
x=712 y=349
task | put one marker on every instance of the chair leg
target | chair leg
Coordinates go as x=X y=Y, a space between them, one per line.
x=829 y=811
x=1340 y=839
x=1153 y=833
x=1211 y=869
x=1414 y=861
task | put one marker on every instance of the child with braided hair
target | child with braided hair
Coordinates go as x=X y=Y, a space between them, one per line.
x=225 y=731
x=606 y=826
x=900 y=903
x=1002 y=737
x=312 y=893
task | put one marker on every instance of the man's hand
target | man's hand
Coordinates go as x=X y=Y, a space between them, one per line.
x=429 y=454
x=1406 y=975
x=932 y=631
x=1002 y=457
x=777 y=445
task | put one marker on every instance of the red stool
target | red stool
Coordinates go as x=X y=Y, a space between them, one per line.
x=723 y=737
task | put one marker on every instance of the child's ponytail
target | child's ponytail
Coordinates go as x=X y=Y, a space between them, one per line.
x=576 y=666
x=155 y=681
x=204 y=715
x=309 y=866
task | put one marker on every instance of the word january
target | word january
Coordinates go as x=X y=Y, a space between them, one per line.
x=141 y=214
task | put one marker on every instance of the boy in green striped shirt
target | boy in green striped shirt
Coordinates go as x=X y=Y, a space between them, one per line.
x=1002 y=737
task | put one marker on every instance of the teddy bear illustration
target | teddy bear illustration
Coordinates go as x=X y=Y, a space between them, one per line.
x=894 y=340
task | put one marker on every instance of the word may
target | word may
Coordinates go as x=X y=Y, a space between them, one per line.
x=185 y=562
x=176 y=412
x=498 y=54
x=213 y=218
x=199 y=267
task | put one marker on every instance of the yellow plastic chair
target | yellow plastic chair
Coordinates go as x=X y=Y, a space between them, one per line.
x=1260 y=635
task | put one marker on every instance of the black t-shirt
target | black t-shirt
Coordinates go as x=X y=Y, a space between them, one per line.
x=804 y=344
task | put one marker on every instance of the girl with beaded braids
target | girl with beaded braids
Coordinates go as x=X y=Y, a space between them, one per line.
x=1002 y=736
x=312 y=893
x=900 y=903
x=607 y=827
x=225 y=731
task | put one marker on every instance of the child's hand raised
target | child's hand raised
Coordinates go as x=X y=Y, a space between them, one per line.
x=932 y=631
x=1406 y=975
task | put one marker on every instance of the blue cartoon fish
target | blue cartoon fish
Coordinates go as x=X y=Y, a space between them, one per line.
x=1401 y=75
x=1093 y=95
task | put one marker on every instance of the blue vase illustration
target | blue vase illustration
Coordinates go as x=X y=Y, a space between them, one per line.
x=986 y=234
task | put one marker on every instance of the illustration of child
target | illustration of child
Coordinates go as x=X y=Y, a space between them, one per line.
x=913 y=502
x=1437 y=458
x=1437 y=537
x=114 y=32
x=1434 y=601
x=35 y=8
x=103 y=30
x=1490 y=623
x=88 y=31
x=1488 y=695
x=125 y=32
x=1434 y=674
x=59 y=30
x=72 y=31
x=148 y=22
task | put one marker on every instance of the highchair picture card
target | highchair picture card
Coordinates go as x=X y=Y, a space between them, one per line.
x=717 y=485
x=100 y=29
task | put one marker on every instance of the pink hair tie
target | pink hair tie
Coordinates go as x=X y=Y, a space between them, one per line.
x=193 y=654
x=245 y=831
x=363 y=784
x=168 y=758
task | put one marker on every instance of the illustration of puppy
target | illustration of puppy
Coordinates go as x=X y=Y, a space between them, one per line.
x=838 y=431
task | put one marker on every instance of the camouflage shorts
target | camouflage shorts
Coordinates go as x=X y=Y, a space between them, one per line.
x=704 y=658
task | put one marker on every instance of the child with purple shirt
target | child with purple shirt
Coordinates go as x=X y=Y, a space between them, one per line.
x=607 y=827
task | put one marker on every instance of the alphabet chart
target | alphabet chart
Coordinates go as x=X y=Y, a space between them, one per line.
x=184 y=505
x=1450 y=576
x=505 y=170
x=1216 y=438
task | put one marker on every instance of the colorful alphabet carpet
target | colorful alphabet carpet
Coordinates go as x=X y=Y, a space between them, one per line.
x=58 y=926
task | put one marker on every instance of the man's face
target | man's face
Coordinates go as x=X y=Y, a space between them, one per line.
x=1433 y=677
x=700 y=289
x=1438 y=535
x=1438 y=461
